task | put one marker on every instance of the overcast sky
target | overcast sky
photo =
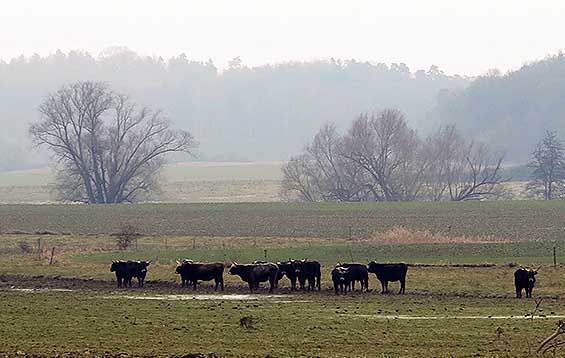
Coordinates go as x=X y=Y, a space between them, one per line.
x=460 y=36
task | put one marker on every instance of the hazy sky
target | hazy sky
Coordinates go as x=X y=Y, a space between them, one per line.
x=460 y=36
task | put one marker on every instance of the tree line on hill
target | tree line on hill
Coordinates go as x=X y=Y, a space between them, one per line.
x=240 y=113
x=511 y=111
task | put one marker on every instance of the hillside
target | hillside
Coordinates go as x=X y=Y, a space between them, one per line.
x=242 y=113
x=511 y=111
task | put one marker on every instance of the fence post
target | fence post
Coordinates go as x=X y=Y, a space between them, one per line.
x=554 y=257
x=265 y=253
x=52 y=254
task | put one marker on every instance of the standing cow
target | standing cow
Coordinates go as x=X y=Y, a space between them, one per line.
x=389 y=272
x=120 y=268
x=357 y=272
x=253 y=274
x=137 y=269
x=341 y=278
x=310 y=271
x=286 y=268
x=525 y=279
x=191 y=272
x=126 y=270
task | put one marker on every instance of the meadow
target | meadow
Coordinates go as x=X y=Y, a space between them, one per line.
x=459 y=298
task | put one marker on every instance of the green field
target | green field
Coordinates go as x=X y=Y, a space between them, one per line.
x=447 y=312
x=514 y=220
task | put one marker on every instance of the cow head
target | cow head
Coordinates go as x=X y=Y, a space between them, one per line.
x=372 y=267
x=234 y=269
x=340 y=274
x=117 y=265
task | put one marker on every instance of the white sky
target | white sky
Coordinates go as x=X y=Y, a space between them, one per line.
x=460 y=36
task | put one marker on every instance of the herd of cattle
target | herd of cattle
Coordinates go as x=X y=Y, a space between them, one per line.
x=307 y=273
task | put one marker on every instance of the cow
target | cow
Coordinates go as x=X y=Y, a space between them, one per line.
x=341 y=278
x=121 y=270
x=310 y=271
x=357 y=272
x=525 y=279
x=253 y=274
x=286 y=268
x=389 y=272
x=137 y=269
x=191 y=272
x=126 y=270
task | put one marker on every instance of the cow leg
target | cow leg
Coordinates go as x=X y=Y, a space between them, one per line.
x=318 y=279
x=402 y=287
x=518 y=292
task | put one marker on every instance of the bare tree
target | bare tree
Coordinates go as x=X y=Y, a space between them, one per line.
x=475 y=175
x=323 y=173
x=548 y=164
x=107 y=150
x=297 y=182
x=388 y=150
x=460 y=169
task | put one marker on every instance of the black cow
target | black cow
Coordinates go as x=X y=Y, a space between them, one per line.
x=191 y=272
x=126 y=270
x=358 y=272
x=121 y=270
x=308 y=271
x=341 y=278
x=253 y=274
x=137 y=269
x=524 y=279
x=286 y=268
x=389 y=272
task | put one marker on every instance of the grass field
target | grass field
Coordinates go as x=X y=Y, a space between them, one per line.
x=72 y=305
x=515 y=221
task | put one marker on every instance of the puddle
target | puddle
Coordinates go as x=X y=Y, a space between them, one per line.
x=422 y=318
x=40 y=290
x=201 y=297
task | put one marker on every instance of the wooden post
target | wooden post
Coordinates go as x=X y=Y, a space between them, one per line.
x=194 y=243
x=136 y=244
x=349 y=232
x=265 y=253
x=52 y=255
x=39 y=248
x=554 y=257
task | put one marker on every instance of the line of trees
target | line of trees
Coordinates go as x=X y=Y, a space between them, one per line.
x=380 y=158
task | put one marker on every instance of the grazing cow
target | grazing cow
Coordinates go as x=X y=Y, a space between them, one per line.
x=253 y=274
x=308 y=271
x=191 y=272
x=358 y=272
x=137 y=269
x=389 y=272
x=341 y=278
x=525 y=279
x=120 y=268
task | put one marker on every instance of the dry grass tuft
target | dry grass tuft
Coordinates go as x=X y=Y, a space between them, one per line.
x=401 y=235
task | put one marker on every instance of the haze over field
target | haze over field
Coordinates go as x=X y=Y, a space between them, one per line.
x=254 y=80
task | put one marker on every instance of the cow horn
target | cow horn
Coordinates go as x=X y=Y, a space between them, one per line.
x=178 y=262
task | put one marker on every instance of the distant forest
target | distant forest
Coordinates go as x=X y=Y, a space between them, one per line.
x=509 y=112
x=269 y=112
x=241 y=113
